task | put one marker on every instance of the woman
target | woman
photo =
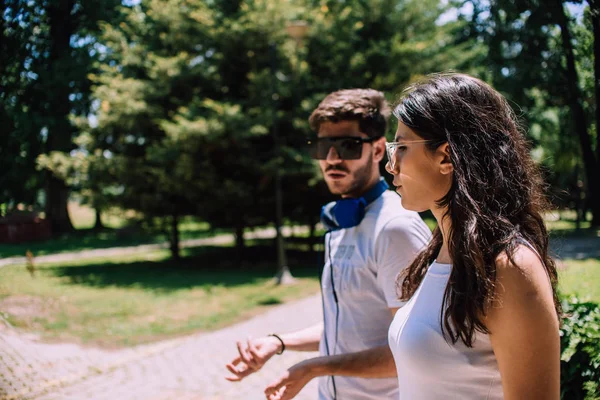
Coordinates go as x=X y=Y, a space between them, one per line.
x=482 y=321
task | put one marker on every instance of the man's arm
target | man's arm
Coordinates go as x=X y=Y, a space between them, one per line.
x=254 y=353
x=305 y=340
x=377 y=362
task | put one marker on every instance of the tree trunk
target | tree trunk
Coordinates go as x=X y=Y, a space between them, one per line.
x=575 y=99
x=98 y=225
x=240 y=244
x=57 y=198
x=59 y=128
x=174 y=239
x=595 y=14
x=311 y=235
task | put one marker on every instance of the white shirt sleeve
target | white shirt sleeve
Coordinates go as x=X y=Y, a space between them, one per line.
x=400 y=240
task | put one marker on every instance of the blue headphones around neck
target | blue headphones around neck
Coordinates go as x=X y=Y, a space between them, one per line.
x=346 y=213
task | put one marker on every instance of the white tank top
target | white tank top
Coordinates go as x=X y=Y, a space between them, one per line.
x=428 y=367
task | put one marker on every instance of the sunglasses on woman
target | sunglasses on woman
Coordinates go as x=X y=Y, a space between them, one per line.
x=346 y=147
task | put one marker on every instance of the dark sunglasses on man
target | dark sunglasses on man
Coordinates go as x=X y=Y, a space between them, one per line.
x=347 y=147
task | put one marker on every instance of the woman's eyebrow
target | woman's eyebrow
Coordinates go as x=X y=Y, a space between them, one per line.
x=399 y=137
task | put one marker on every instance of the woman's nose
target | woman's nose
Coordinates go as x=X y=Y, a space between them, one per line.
x=391 y=170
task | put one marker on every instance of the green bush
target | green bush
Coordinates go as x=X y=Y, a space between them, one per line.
x=580 y=350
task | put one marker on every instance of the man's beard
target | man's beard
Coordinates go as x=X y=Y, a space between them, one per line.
x=359 y=179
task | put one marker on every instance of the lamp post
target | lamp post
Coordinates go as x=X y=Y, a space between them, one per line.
x=296 y=30
x=283 y=275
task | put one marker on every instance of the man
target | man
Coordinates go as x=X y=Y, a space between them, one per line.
x=370 y=239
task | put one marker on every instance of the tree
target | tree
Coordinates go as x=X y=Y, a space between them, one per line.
x=535 y=50
x=180 y=123
x=184 y=96
x=49 y=64
x=575 y=96
x=142 y=145
x=20 y=137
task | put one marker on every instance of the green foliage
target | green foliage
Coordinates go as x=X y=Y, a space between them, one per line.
x=185 y=95
x=189 y=94
x=580 y=350
x=47 y=51
x=525 y=58
x=177 y=133
x=174 y=104
x=20 y=139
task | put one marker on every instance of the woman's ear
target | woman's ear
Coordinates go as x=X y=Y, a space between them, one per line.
x=378 y=149
x=446 y=166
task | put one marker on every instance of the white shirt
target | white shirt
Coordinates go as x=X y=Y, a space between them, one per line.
x=366 y=260
x=428 y=367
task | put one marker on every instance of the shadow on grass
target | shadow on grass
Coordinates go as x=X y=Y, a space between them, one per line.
x=575 y=233
x=82 y=239
x=88 y=239
x=205 y=266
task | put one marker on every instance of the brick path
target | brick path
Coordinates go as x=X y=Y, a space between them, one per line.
x=191 y=367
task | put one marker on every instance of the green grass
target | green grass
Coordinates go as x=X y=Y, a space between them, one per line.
x=561 y=219
x=89 y=239
x=84 y=217
x=145 y=297
x=139 y=298
x=142 y=298
x=78 y=241
x=581 y=278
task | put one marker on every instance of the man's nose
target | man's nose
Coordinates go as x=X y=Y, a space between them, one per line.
x=333 y=157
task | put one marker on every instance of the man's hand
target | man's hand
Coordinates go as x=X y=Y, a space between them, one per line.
x=252 y=356
x=291 y=382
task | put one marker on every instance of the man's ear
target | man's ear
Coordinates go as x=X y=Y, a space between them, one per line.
x=446 y=166
x=378 y=149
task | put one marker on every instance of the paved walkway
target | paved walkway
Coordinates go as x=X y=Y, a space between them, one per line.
x=576 y=248
x=192 y=367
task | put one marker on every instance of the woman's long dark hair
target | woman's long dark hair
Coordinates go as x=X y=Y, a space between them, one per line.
x=495 y=201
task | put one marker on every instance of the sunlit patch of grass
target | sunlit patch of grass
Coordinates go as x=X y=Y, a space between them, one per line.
x=581 y=278
x=565 y=221
x=84 y=217
x=145 y=297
